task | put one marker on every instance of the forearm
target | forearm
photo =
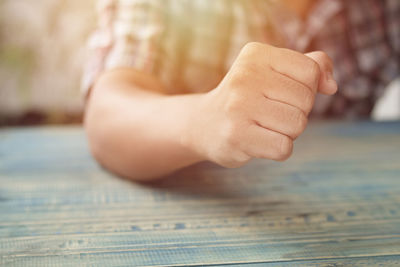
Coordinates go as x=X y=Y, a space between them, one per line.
x=135 y=131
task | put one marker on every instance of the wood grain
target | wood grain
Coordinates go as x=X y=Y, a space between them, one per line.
x=336 y=202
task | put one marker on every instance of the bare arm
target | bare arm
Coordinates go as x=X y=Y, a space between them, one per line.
x=136 y=131
x=257 y=111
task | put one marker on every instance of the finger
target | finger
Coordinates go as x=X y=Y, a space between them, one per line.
x=327 y=84
x=264 y=143
x=279 y=117
x=296 y=66
x=286 y=90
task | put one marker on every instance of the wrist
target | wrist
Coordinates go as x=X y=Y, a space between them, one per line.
x=193 y=125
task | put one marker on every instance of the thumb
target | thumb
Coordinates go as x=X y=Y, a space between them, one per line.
x=327 y=84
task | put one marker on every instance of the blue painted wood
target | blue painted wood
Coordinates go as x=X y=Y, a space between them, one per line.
x=335 y=202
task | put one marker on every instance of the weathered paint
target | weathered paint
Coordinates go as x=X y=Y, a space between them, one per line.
x=335 y=202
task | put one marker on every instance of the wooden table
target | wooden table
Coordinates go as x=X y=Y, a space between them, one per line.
x=335 y=202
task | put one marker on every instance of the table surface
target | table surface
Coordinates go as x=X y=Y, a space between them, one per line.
x=335 y=202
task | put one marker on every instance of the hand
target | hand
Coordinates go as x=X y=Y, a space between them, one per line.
x=261 y=106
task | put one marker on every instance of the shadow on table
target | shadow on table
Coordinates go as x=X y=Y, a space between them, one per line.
x=203 y=179
x=207 y=181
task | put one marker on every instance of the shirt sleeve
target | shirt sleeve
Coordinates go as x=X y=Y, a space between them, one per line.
x=126 y=35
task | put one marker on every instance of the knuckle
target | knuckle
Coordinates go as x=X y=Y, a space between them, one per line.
x=327 y=63
x=325 y=58
x=285 y=148
x=257 y=52
x=252 y=47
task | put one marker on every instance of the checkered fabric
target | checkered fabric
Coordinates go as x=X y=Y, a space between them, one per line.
x=189 y=45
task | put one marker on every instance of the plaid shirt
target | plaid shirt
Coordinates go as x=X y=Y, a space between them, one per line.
x=189 y=45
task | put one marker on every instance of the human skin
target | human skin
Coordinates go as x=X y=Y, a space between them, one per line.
x=257 y=111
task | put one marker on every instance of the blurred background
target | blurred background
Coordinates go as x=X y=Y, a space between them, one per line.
x=42 y=50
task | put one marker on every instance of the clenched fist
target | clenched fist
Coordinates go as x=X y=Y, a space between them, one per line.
x=260 y=107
